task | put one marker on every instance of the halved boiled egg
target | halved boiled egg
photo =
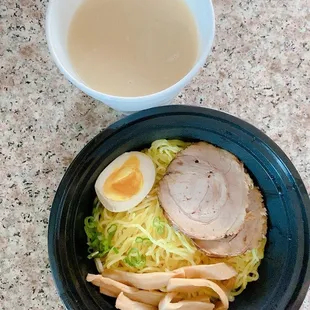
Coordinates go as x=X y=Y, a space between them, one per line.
x=126 y=181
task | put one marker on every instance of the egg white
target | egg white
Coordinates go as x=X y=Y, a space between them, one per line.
x=148 y=171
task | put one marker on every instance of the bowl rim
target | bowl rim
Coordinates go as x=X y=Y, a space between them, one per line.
x=299 y=292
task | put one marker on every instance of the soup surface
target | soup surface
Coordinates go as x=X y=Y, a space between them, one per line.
x=132 y=47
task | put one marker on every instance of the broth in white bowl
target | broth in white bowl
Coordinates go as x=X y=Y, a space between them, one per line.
x=60 y=15
x=132 y=48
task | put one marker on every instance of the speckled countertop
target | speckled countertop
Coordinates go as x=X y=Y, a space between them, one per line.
x=259 y=70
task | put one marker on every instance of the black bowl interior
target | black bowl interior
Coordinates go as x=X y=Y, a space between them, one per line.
x=284 y=272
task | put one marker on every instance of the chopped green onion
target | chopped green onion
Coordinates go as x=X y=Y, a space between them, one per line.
x=92 y=255
x=147 y=241
x=160 y=230
x=90 y=222
x=99 y=244
x=116 y=251
x=135 y=259
x=112 y=229
x=156 y=221
x=159 y=225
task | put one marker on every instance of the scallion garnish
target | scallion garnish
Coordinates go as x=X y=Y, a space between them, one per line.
x=159 y=225
x=135 y=259
x=99 y=244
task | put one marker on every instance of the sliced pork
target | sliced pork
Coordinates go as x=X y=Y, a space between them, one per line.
x=205 y=192
x=253 y=230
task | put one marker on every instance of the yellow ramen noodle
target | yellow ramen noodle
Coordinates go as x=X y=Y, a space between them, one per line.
x=142 y=240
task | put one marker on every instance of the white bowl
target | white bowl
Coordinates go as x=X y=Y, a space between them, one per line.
x=59 y=16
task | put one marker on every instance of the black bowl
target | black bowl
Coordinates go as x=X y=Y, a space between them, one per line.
x=284 y=272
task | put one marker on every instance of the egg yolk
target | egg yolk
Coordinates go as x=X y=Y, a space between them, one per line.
x=125 y=181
